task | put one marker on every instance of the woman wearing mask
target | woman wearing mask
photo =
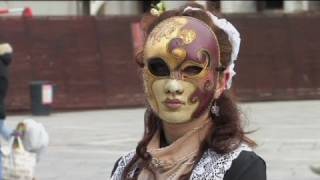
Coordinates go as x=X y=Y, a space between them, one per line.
x=193 y=128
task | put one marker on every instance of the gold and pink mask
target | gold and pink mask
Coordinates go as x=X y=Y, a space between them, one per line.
x=181 y=56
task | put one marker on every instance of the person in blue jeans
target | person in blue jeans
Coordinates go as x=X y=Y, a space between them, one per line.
x=5 y=60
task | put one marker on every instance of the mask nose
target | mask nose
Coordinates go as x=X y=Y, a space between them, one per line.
x=173 y=87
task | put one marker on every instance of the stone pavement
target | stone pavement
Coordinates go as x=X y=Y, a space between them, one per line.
x=84 y=145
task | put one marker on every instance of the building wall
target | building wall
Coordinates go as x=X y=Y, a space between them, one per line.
x=92 y=64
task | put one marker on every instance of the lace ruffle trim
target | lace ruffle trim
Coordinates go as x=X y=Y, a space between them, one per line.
x=211 y=166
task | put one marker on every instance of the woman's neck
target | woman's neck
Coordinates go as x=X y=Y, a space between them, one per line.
x=173 y=131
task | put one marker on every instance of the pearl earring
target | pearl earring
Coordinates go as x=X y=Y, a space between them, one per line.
x=215 y=109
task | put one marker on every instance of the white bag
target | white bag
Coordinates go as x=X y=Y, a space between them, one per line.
x=35 y=138
x=17 y=163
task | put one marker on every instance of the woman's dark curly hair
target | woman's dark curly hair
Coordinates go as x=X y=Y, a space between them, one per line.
x=226 y=134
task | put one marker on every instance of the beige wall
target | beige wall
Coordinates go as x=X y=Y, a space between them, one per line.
x=300 y=6
x=46 y=8
x=122 y=7
x=289 y=6
x=295 y=6
x=52 y=8
x=174 y=4
x=238 y=6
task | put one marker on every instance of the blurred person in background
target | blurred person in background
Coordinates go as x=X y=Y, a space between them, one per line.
x=5 y=60
x=34 y=136
x=193 y=128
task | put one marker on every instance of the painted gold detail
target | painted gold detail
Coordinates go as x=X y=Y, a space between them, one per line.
x=187 y=35
x=165 y=30
x=179 y=53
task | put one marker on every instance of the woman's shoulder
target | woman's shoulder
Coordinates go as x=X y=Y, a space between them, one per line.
x=248 y=165
x=121 y=163
x=213 y=164
x=247 y=158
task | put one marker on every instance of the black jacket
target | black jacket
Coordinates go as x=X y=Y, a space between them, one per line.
x=248 y=166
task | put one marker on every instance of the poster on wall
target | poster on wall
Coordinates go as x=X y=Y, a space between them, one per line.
x=47 y=94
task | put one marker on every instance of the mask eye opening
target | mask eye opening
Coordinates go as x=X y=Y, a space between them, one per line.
x=192 y=70
x=158 y=67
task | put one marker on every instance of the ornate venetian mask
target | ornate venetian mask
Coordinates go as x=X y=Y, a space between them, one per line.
x=180 y=57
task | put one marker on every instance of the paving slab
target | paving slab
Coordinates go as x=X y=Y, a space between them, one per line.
x=84 y=145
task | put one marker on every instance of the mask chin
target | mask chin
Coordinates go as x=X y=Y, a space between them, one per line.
x=171 y=100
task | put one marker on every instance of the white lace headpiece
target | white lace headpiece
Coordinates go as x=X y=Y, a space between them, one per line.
x=234 y=38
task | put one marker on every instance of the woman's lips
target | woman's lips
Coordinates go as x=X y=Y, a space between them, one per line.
x=173 y=103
